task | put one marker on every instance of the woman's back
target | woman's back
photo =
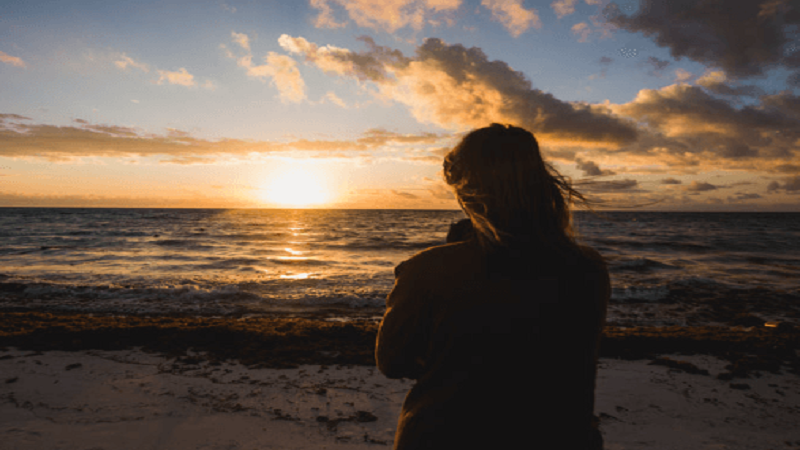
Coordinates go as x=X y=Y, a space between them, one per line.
x=498 y=356
x=500 y=331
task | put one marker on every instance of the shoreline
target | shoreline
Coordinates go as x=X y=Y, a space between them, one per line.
x=279 y=342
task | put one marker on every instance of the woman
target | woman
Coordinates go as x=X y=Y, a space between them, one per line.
x=501 y=331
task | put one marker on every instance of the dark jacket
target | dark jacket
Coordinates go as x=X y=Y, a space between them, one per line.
x=501 y=361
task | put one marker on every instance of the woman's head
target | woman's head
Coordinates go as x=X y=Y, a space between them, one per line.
x=509 y=193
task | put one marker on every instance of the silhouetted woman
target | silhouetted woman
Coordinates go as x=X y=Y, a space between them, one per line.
x=501 y=331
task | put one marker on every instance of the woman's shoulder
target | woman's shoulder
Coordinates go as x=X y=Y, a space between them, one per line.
x=440 y=257
x=592 y=255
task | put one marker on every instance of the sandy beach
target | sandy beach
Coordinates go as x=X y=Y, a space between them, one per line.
x=129 y=398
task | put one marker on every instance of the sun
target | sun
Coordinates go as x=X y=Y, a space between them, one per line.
x=296 y=187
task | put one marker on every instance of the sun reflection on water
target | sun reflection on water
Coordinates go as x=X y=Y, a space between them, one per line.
x=296 y=276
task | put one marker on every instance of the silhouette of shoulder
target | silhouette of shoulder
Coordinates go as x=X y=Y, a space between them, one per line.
x=452 y=257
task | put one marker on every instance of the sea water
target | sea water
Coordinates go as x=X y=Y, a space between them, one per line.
x=666 y=268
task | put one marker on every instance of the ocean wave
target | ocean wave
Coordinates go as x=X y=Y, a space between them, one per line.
x=184 y=243
x=298 y=262
x=170 y=298
x=640 y=265
x=631 y=294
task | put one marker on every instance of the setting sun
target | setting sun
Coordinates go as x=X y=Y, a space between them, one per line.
x=297 y=188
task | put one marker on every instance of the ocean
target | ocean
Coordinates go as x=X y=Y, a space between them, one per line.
x=667 y=268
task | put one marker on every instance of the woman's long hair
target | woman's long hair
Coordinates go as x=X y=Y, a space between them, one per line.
x=514 y=199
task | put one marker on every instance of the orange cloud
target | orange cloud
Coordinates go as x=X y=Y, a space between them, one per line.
x=21 y=139
x=181 y=77
x=563 y=7
x=13 y=60
x=124 y=61
x=388 y=16
x=512 y=15
x=281 y=70
x=582 y=30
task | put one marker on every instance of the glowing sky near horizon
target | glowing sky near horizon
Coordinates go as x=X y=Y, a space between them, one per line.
x=692 y=105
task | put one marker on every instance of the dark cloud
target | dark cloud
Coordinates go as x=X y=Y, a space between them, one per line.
x=791 y=185
x=657 y=65
x=742 y=37
x=699 y=186
x=793 y=80
x=715 y=82
x=743 y=196
x=784 y=102
x=590 y=169
x=736 y=150
x=787 y=168
x=627 y=185
x=671 y=181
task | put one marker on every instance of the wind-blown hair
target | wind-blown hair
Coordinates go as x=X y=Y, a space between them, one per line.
x=513 y=198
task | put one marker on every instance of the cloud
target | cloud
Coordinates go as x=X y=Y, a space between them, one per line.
x=682 y=75
x=325 y=18
x=713 y=32
x=4 y=117
x=406 y=195
x=715 y=81
x=739 y=197
x=582 y=30
x=281 y=70
x=626 y=185
x=657 y=65
x=19 y=139
x=590 y=169
x=383 y=16
x=241 y=39
x=284 y=75
x=784 y=102
x=790 y=185
x=787 y=168
x=181 y=77
x=100 y=201
x=343 y=62
x=697 y=186
x=330 y=96
x=13 y=60
x=460 y=88
x=512 y=15
x=793 y=80
x=124 y=61
x=671 y=181
x=679 y=121
x=563 y=7
x=603 y=61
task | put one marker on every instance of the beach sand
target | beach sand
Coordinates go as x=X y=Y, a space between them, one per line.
x=60 y=389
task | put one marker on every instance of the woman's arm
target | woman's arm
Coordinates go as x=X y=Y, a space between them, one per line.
x=402 y=336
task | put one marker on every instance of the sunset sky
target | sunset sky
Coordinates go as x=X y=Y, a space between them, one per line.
x=353 y=103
